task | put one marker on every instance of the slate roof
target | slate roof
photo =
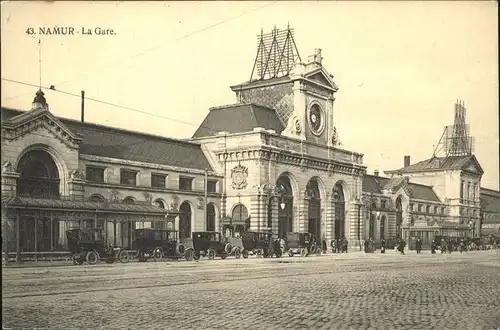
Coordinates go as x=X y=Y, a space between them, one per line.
x=375 y=184
x=490 y=200
x=82 y=205
x=105 y=141
x=437 y=163
x=238 y=118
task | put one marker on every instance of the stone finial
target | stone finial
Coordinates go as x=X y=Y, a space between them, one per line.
x=39 y=100
x=76 y=175
x=7 y=167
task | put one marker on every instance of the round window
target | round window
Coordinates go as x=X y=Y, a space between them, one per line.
x=316 y=119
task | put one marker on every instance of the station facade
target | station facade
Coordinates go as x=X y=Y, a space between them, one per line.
x=269 y=162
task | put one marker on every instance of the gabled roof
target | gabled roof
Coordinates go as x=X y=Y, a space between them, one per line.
x=443 y=163
x=117 y=143
x=238 y=118
x=375 y=184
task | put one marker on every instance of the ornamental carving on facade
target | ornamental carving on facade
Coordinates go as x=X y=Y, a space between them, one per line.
x=174 y=203
x=76 y=174
x=239 y=176
x=200 y=203
x=115 y=196
x=7 y=167
x=148 y=197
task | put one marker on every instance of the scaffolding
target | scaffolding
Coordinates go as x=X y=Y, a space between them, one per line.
x=276 y=54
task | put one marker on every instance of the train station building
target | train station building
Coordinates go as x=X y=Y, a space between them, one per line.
x=271 y=161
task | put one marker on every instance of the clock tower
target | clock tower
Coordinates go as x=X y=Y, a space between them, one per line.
x=313 y=99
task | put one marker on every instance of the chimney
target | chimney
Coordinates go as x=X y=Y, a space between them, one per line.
x=83 y=106
x=407 y=161
x=375 y=172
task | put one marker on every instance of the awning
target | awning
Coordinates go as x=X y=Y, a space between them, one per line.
x=72 y=205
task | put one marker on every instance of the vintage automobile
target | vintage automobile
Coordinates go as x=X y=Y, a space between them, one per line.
x=301 y=243
x=89 y=245
x=161 y=244
x=211 y=244
x=260 y=244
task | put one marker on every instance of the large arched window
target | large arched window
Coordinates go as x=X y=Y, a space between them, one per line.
x=285 y=214
x=240 y=213
x=39 y=176
x=211 y=217
x=339 y=198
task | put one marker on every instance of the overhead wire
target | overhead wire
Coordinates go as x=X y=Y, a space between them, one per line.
x=115 y=105
x=110 y=65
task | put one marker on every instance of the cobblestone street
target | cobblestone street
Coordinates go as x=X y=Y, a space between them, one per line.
x=353 y=291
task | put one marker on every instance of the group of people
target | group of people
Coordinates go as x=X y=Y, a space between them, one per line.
x=339 y=245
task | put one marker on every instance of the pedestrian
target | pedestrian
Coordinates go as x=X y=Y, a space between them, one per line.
x=346 y=244
x=334 y=245
x=382 y=246
x=418 y=245
x=433 y=247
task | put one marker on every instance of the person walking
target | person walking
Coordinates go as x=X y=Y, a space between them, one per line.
x=418 y=245
x=382 y=246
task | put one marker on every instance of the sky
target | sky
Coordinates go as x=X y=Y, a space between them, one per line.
x=400 y=66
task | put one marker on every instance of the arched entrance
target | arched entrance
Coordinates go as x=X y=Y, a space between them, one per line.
x=382 y=227
x=185 y=220
x=39 y=175
x=399 y=216
x=339 y=199
x=314 y=208
x=371 y=224
x=285 y=209
x=211 y=217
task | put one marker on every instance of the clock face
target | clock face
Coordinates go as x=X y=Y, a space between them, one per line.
x=315 y=119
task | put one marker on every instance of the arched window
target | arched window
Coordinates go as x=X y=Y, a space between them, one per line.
x=240 y=213
x=184 y=220
x=382 y=227
x=159 y=224
x=96 y=198
x=211 y=217
x=128 y=201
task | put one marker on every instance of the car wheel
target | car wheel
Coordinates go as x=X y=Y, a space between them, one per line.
x=228 y=248
x=189 y=255
x=196 y=256
x=157 y=254
x=245 y=254
x=303 y=252
x=237 y=253
x=279 y=254
x=92 y=257
x=211 y=254
x=124 y=257
x=290 y=253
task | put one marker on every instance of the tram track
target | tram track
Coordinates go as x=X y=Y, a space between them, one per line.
x=204 y=276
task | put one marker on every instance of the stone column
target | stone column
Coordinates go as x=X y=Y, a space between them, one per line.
x=76 y=185
x=329 y=218
x=303 y=208
x=256 y=223
x=354 y=220
x=9 y=181
x=275 y=215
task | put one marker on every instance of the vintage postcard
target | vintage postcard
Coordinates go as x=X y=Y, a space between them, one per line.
x=250 y=165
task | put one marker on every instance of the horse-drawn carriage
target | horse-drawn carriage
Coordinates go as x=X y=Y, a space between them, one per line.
x=211 y=244
x=161 y=244
x=89 y=245
x=303 y=244
x=260 y=244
